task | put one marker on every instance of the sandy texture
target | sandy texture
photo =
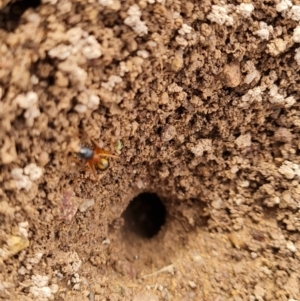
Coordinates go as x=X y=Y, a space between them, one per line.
x=200 y=100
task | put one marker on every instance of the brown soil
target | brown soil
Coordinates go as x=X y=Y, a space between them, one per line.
x=199 y=100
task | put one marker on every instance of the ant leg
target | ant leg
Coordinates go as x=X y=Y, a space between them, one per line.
x=96 y=145
x=92 y=166
x=102 y=152
x=113 y=145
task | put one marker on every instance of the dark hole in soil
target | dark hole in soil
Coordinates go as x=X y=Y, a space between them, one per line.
x=226 y=154
x=145 y=215
x=11 y=14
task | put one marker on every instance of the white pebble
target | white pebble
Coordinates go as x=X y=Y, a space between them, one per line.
x=290 y=245
x=23 y=227
x=86 y=204
x=112 y=81
x=54 y=288
x=234 y=169
x=25 y=101
x=40 y=292
x=33 y=171
x=192 y=284
x=34 y=79
x=31 y=114
x=253 y=255
x=252 y=95
x=289 y=169
x=264 y=31
x=296 y=34
x=297 y=56
x=91 y=52
x=93 y=102
x=185 y=29
x=33 y=18
x=142 y=53
x=275 y=97
x=22 y=181
x=39 y=280
x=79 y=108
x=53 y=2
x=22 y=270
x=283 y=5
x=106 y=2
x=133 y=20
x=289 y=101
x=92 y=49
x=60 y=52
x=74 y=35
x=249 y=78
x=76 y=286
x=245 y=9
x=202 y=146
x=294 y=13
x=219 y=14
x=106 y=242
x=64 y=6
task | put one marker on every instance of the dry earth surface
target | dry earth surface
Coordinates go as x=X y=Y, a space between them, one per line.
x=199 y=100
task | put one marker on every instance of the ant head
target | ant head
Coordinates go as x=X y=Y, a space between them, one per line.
x=85 y=153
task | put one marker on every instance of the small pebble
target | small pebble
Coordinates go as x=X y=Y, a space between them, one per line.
x=86 y=204
x=43 y=158
x=168 y=133
x=253 y=255
x=192 y=284
x=106 y=241
x=231 y=75
x=76 y=286
x=236 y=240
x=290 y=245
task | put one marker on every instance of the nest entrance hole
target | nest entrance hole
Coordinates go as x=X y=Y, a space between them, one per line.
x=145 y=215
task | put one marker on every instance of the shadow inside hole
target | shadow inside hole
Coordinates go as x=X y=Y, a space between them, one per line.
x=11 y=14
x=145 y=215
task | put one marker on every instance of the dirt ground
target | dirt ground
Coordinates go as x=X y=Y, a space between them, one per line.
x=199 y=100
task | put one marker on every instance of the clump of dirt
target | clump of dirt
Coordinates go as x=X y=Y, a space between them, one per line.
x=199 y=101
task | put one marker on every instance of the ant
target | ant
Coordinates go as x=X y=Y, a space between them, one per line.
x=96 y=156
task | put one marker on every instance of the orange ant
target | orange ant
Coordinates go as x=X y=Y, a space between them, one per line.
x=96 y=156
